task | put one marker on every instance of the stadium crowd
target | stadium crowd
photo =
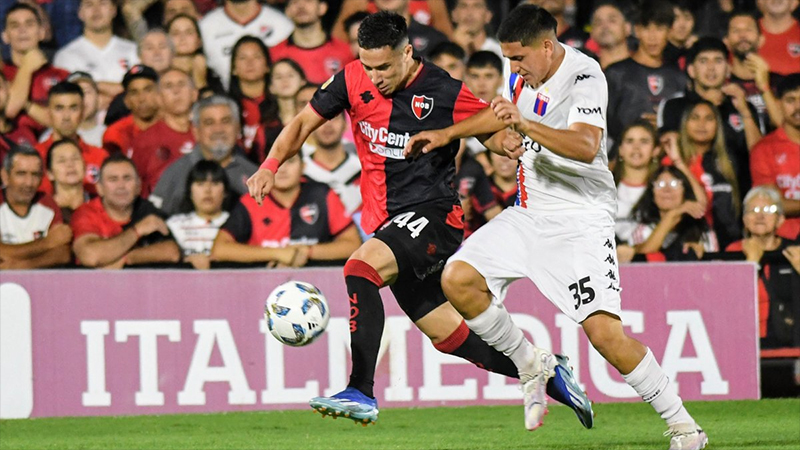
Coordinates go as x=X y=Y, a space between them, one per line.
x=129 y=128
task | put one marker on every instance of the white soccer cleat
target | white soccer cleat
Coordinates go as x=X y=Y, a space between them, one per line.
x=533 y=389
x=686 y=436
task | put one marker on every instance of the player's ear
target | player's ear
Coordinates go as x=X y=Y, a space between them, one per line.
x=690 y=71
x=408 y=52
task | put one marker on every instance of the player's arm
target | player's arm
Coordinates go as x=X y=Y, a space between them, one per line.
x=482 y=125
x=226 y=248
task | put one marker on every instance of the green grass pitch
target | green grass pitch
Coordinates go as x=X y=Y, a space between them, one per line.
x=751 y=425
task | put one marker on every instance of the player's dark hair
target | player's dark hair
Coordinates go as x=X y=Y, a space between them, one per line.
x=268 y=108
x=116 y=158
x=64 y=87
x=382 y=29
x=525 y=24
x=657 y=12
x=57 y=144
x=355 y=18
x=788 y=84
x=619 y=168
x=483 y=59
x=707 y=44
x=206 y=170
x=447 y=48
x=19 y=6
x=19 y=150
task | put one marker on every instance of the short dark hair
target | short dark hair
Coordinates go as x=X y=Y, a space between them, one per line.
x=788 y=84
x=447 y=48
x=115 y=158
x=744 y=13
x=19 y=6
x=485 y=58
x=525 y=24
x=355 y=18
x=707 y=44
x=19 y=150
x=64 y=87
x=382 y=29
x=204 y=170
x=658 y=12
x=683 y=5
x=57 y=144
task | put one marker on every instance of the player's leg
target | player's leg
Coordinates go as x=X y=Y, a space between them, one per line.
x=369 y=268
x=642 y=372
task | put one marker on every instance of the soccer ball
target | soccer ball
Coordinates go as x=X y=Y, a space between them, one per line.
x=296 y=313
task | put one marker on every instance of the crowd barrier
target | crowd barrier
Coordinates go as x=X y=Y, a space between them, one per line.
x=80 y=342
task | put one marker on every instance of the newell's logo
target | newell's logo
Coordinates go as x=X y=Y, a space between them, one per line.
x=309 y=213
x=581 y=78
x=655 y=83
x=422 y=106
x=588 y=111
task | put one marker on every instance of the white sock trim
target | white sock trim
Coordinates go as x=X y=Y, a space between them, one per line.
x=652 y=384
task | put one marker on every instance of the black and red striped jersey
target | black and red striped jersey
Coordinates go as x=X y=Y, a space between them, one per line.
x=382 y=126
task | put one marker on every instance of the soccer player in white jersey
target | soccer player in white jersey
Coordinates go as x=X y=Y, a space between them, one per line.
x=561 y=232
x=223 y=26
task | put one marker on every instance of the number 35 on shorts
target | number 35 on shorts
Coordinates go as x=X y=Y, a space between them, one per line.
x=414 y=226
x=582 y=293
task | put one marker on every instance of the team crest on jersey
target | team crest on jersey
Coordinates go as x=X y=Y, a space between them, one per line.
x=93 y=173
x=422 y=106
x=309 y=213
x=540 y=106
x=655 y=83
x=794 y=49
x=332 y=65
x=735 y=121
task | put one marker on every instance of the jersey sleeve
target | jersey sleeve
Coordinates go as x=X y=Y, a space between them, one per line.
x=238 y=224
x=331 y=98
x=83 y=222
x=111 y=141
x=760 y=167
x=589 y=100
x=49 y=202
x=467 y=104
x=338 y=218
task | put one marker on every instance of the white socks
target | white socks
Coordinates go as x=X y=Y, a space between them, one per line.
x=496 y=328
x=650 y=381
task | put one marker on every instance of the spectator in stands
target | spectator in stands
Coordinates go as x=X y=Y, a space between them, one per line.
x=763 y=215
x=484 y=77
x=32 y=234
x=134 y=14
x=351 y=25
x=10 y=135
x=471 y=19
x=300 y=221
x=708 y=69
x=65 y=107
x=304 y=95
x=141 y=97
x=422 y=37
x=184 y=32
x=711 y=14
x=119 y=228
x=775 y=160
x=750 y=71
x=638 y=84
x=475 y=192
x=204 y=210
x=610 y=33
x=432 y=13
x=636 y=161
x=65 y=170
x=567 y=34
x=92 y=127
x=98 y=52
x=222 y=27
x=450 y=57
x=781 y=31
x=216 y=127
x=171 y=137
x=319 y=54
x=503 y=179
x=28 y=72
x=670 y=220
x=287 y=78
x=681 y=35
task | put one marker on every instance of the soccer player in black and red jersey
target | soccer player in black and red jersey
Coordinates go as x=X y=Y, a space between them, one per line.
x=409 y=204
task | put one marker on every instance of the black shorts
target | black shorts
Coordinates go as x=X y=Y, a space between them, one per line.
x=422 y=239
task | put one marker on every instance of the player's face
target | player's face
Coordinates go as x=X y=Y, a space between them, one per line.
x=777 y=7
x=504 y=167
x=207 y=196
x=790 y=105
x=532 y=62
x=216 y=132
x=682 y=26
x=637 y=148
x=23 y=179
x=155 y=51
x=66 y=113
x=173 y=8
x=23 y=31
x=387 y=68
x=118 y=185
x=761 y=218
x=97 y=15
x=484 y=82
x=305 y=12
x=743 y=36
x=668 y=192
x=67 y=165
x=286 y=81
x=452 y=65
x=709 y=69
x=701 y=125
x=652 y=39
x=609 y=27
x=90 y=98
x=329 y=134
x=142 y=98
x=184 y=37
x=288 y=176
x=176 y=93
x=471 y=15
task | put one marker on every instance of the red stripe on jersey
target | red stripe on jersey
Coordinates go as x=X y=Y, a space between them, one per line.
x=467 y=105
x=523 y=194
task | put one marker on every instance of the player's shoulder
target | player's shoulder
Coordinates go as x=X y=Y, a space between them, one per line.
x=581 y=66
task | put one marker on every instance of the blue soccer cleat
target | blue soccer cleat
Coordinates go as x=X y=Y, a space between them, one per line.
x=563 y=388
x=350 y=403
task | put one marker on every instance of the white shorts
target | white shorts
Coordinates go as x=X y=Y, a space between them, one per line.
x=571 y=258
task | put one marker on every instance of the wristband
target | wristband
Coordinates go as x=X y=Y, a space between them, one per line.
x=270 y=164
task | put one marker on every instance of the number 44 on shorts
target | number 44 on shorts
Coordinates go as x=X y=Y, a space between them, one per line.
x=582 y=293
x=414 y=227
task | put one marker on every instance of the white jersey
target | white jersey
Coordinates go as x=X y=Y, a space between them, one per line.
x=194 y=234
x=627 y=197
x=550 y=183
x=104 y=64
x=35 y=225
x=343 y=179
x=220 y=33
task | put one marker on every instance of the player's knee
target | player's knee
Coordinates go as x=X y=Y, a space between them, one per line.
x=458 y=279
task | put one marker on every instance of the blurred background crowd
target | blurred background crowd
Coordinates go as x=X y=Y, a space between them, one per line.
x=129 y=128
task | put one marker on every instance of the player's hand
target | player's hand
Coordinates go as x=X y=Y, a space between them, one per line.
x=151 y=224
x=507 y=112
x=425 y=142
x=59 y=235
x=792 y=253
x=512 y=144
x=260 y=184
x=199 y=261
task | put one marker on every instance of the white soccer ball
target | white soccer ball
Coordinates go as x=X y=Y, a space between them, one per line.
x=296 y=313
